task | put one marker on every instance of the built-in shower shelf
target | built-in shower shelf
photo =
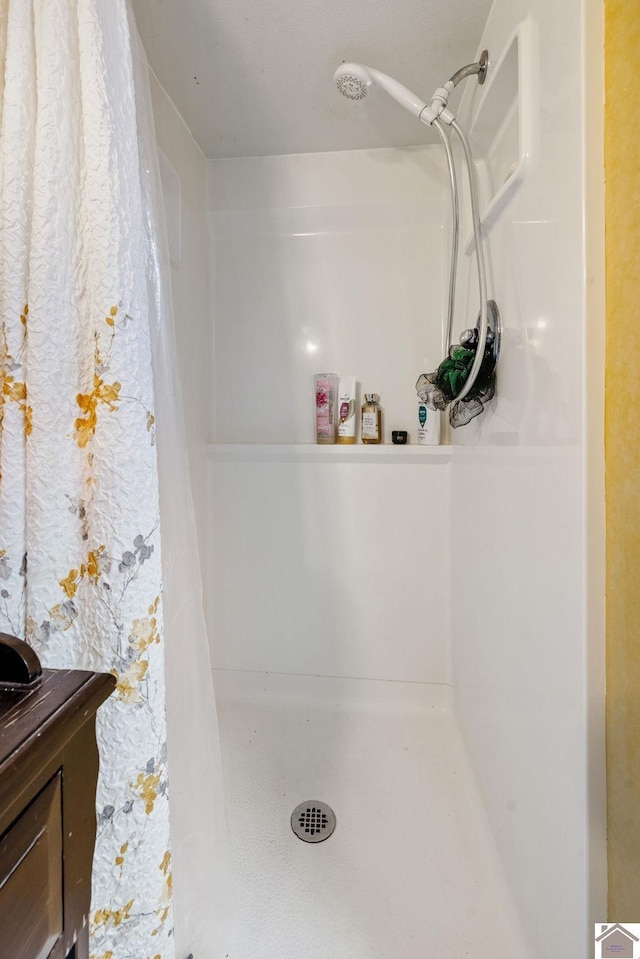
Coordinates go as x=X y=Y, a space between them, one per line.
x=313 y=453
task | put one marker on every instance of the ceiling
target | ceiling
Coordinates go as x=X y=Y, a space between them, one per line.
x=254 y=77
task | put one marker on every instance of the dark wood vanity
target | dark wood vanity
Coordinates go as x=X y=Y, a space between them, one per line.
x=48 y=775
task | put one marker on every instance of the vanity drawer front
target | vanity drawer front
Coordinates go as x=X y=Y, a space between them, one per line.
x=31 y=878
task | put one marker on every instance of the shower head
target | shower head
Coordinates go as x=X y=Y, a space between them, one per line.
x=353 y=81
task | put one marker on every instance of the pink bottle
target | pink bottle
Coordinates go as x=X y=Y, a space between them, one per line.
x=326 y=391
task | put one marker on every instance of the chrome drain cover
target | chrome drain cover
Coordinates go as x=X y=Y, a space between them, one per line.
x=313 y=821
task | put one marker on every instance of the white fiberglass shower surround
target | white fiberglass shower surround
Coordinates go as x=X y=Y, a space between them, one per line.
x=411 y=635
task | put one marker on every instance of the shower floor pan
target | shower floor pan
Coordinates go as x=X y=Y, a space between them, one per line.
x=410 y=871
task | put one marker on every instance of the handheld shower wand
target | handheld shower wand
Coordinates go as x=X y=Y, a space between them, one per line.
x=353 y=80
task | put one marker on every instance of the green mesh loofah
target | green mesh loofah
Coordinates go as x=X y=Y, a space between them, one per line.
x=438 y=390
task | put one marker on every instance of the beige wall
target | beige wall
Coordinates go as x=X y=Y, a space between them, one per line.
x=622 y=170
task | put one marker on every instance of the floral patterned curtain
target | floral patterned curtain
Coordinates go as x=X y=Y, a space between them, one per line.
x=80 y=563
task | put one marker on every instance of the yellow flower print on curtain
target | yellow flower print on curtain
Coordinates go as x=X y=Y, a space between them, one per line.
x=12 y=390
x=88 y=402
x=80 y=552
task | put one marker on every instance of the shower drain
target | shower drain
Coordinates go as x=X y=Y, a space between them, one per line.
x=313 y=821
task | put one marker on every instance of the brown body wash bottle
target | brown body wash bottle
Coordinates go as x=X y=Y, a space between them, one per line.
x=371 y=419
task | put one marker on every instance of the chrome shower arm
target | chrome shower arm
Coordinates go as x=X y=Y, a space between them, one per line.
x=472 y=69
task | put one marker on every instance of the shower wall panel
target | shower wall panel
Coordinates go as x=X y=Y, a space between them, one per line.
x=323 y=263
x=195 y=820
x=331 y=569
x=326 y=262
x=189 y=246
x=527 y=636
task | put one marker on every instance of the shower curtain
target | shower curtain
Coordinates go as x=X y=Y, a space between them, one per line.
x=84 y=329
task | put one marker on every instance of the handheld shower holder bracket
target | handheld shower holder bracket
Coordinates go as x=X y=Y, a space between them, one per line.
x=484 y=66
x=494 y=328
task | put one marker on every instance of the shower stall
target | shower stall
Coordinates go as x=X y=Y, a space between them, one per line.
x=411 y=635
